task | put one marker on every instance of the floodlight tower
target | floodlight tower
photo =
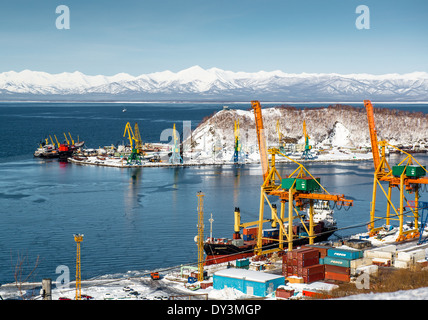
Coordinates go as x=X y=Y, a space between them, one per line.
x=200 y=236
x=78 y=238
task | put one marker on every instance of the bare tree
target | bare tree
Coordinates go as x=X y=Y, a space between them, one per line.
x=22 y=271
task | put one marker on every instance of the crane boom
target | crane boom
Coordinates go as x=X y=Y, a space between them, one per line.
x=373 y=134
x=261 y=138
x=128 y=129
x=137 y=138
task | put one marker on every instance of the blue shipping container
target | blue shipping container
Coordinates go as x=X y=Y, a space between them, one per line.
x=270 y=233
x=248 y=237
x=345 y=254
x=338 y=261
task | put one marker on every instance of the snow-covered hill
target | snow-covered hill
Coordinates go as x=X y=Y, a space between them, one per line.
x=196 y=83
x=333 y=126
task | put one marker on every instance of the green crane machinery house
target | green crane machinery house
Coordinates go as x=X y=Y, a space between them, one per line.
x=254 y=283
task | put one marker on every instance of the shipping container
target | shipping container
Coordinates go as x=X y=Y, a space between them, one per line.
x=337 y=269
x=308 y=184
x=346 y=254
x=401 y=264
x=287 y=183
x=377 y=253
x=297 y=252
x=337 y=276
x=313 y=277
x=338 y=261
x=411 y=256
x=381 y=262
x=295 y=279
x=301 y=184
x=242 y=263
x=284 y=293
x=270 y=233
x=317 y=268
x=415 y=171
x=321 y=249
x=249 y=231
x=206 y=284
x=315 y=294
x=307 y=262
x=308 y=254
x=397 y=170
x=248 y=237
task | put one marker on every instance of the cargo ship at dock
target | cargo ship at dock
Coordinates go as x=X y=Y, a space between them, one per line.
x=242 y=245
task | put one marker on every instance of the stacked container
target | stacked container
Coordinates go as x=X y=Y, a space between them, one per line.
x=249 y=234
x=409 y=259
x=383 y=256
x=303 y=263
x=341 y=264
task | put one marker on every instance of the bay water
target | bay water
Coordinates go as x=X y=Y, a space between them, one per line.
x=133 y=219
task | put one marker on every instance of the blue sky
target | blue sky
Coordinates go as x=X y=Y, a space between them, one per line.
x=320 y=36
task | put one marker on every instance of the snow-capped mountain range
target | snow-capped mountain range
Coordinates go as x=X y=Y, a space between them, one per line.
x=196 y=83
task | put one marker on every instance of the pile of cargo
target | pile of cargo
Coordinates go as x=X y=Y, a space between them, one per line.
x=389 y=256
x=302 y=265
x=342 y=264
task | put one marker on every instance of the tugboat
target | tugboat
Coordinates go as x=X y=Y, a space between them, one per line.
x=220 y=250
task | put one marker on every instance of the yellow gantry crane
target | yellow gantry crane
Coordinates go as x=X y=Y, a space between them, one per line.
x=200 y=196
x=133 y=136
x=406 y=176
x=78 y=238
x=135 y=142
x=237 y=154
x=300 y=189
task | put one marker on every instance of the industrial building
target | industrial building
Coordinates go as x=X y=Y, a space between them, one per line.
x=248 y=281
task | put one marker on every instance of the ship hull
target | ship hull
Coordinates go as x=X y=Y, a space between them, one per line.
x=220 y=252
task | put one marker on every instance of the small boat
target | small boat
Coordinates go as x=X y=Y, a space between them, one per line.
x=124 y=110
x=46 y=152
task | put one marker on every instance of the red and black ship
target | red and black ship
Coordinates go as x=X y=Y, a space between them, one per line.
x=219 y=250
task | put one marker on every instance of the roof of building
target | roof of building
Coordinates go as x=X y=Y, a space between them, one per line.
x=250 y=275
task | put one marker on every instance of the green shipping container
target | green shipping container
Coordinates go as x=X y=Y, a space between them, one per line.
x=415 y=171
x=302 y=184
x=307 y=184
x=397 y=170
x=338 y=261
x=287 y=183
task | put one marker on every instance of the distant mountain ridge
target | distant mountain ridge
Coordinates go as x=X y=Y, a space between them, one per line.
x=196 y=83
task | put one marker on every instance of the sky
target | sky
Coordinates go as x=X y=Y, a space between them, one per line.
x=144 y=36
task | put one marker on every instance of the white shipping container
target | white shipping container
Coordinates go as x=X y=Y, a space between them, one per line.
x=383 y=261
x=378 y=254
x=389 y=248
x=401 y=264
x=360 y=262
x=370 y=269
x=411 y=256
x=404 y=256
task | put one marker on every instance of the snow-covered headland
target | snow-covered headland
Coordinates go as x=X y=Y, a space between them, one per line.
x=337 y=133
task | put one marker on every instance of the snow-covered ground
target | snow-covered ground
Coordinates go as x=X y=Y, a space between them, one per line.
x=173 y=283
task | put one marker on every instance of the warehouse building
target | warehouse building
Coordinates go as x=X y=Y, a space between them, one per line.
x=247 y=281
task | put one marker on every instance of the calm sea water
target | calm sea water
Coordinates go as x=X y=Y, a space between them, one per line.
x=132 y=219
